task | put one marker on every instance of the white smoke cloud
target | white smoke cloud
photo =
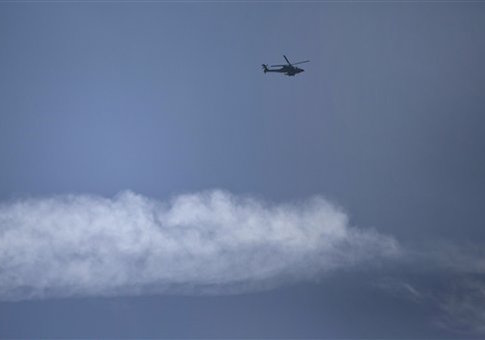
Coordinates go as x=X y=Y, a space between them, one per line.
x=208 y=242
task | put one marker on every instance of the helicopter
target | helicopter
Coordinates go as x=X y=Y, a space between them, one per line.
x=289 y=70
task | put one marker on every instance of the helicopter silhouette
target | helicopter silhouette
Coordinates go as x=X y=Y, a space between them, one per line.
x=290 y=69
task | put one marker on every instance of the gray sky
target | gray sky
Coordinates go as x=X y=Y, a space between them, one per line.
x=164 y=99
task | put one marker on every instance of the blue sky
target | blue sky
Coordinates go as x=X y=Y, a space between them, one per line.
x=343 y=202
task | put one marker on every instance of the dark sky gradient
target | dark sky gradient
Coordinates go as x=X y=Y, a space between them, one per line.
x=164 y=98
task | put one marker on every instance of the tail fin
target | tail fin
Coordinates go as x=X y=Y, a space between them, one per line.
x=265 y=68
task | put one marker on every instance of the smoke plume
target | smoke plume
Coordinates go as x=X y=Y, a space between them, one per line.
x=207 y=242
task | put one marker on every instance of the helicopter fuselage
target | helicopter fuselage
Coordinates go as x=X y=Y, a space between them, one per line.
x=288 y=70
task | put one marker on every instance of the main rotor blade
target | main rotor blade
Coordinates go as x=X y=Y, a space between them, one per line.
x=287 y=60
x=301 y=62
x=278 y=65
